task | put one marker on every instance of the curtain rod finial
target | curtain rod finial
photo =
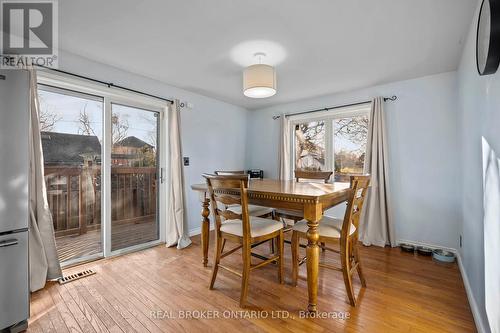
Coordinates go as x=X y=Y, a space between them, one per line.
x=276 y=117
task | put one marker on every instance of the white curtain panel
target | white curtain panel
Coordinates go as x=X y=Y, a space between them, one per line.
x=176 y=222
x=284 y=149
x=491 y=217
x=44 y=262
x=377 y=227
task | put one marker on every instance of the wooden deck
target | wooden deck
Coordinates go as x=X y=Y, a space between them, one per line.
x=405 y=293
x=122 y=235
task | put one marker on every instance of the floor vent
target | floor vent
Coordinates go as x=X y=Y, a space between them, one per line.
x=76 y=276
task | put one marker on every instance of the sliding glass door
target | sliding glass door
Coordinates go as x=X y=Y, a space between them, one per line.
x=102 y=163
x=134 y=176
x=71 y=126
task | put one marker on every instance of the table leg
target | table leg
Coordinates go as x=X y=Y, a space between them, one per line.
x=205 y=229
x=313 y=215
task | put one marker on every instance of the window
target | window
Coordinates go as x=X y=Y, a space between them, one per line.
x=332 y=140
x=349 y=138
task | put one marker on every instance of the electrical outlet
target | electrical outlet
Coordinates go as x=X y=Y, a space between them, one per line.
x=186 y=161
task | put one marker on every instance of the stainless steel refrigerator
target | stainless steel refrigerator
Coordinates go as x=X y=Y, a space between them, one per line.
x=14 y=211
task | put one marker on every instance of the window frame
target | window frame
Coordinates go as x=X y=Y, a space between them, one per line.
x=62 y=83
x=328 y=116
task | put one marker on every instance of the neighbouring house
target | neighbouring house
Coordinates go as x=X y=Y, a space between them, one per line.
x=133 y=152
x=70 y=149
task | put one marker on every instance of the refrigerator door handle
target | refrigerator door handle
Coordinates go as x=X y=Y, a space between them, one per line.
x=9 y=242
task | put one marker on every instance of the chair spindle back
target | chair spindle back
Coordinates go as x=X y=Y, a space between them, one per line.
x=316 y=175
x=359 y=187
x=229 y=190
x=229 y=173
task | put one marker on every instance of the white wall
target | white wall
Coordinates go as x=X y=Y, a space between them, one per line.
x=479 y=101
x=424 y=153
x=213 y=132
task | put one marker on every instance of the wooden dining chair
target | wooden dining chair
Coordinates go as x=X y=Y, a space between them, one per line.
x=303 y=175
x=253 y=210
x=229 y=173
x=338 y=232
x=313 y=175
x=243 y=229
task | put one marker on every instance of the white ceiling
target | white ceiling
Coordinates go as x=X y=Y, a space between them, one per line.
x=325 y=46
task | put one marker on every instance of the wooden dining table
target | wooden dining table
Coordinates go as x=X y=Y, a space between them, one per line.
x=311 y=199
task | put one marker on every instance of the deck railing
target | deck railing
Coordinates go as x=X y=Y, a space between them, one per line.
x=74 y=196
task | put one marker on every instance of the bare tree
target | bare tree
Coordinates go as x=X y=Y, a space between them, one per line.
x=151 y=136
x=310 y=145
x=119 y=128
x=47 y=117
x=354 y=128
x=48 y=120
x=311 y=136
x=85 y=124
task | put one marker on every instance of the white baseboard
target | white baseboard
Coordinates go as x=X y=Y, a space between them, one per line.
x=480 y=325
x=429 y=245
x=197 y=231
x=194 y=231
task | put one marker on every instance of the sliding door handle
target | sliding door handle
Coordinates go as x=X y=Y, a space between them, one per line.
x=8 y=242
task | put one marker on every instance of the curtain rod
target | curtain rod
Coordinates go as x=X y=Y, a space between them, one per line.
x=392 y=98
x=109 y=84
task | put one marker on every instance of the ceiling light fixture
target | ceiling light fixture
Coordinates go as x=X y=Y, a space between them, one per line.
x=259 y=81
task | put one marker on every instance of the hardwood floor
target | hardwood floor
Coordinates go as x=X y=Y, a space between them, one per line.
x=143 y=291
x=122 y=235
